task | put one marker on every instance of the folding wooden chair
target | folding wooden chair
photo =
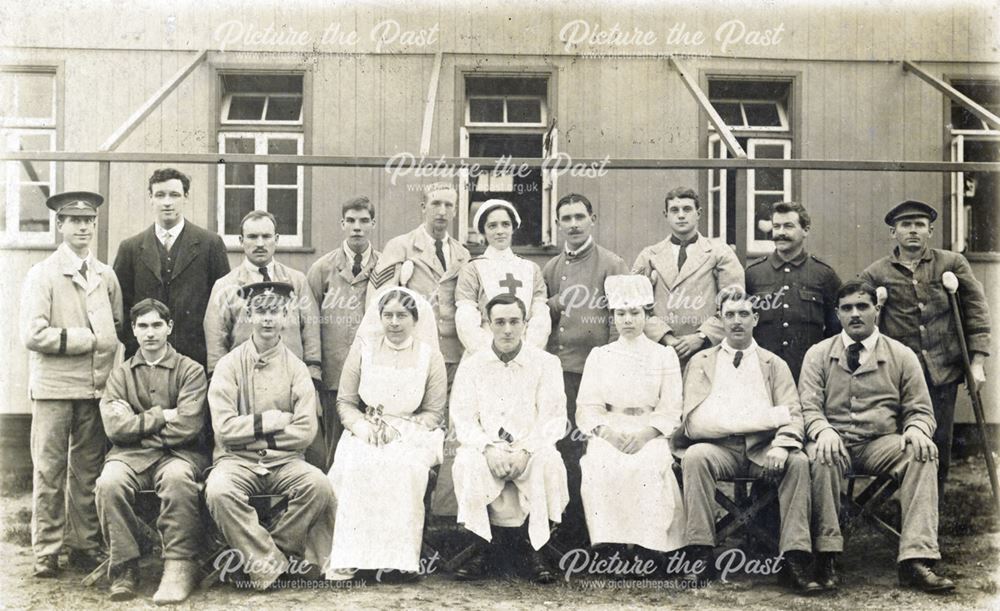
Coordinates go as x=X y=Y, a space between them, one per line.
x=864 y=506
x=147 y=509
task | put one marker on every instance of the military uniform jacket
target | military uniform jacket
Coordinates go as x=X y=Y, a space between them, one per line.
x=70 y=326
x=686 y=298
x=797 y=304
x=341 y=298
x=425 y=275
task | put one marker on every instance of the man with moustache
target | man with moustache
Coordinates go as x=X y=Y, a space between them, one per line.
x=581 y=321
x=427 y=260
x=917 y=312
x=688 y=271
x=173 y=261
x=225 y=324
x=742 y=417
x=71 y=312
x=263 y=408
x=338 y=282
x=509 y=409
x=795 y=291
x=867 y=410
x=154 y=414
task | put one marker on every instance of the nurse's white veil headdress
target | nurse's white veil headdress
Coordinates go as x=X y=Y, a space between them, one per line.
x=425 y=330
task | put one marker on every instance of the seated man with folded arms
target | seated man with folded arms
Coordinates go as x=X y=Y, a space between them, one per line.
x=263 y=407
x=867 y=409
x=741 y=417
x=154 y=414
x=509 y=410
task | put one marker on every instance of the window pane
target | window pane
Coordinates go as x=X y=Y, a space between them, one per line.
x=485 y=110
x=283 y=108
x=262 y=83
x=34 y=95
x=34 y=212
x=240 y=145
x=280 y=174
x=771 y=179
x=239 y=202
x=246 y=108
x=762 y=114
x=524 y=111
x=730 y=113
x=283 y=204
x=769 y=151
x=762 y=213
x=34 y=171
x=240 y=173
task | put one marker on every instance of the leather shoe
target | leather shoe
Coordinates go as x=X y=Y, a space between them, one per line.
x=795 y=574
x=917 y=574
x=124 y=580
x=85 y=561
x=539 y=568
x=178 y=581
x=826 y=571
x=474 y=567
x=692 y=554
x=46 y=566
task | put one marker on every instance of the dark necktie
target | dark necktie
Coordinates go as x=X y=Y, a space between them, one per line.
x=83 y=270
x=439 y=251
x=682 y=255
x=737 y=359
x=357 y=265
x=854 y=356
x=263 y=272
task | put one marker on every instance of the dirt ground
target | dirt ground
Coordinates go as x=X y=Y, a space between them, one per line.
x=970 y=542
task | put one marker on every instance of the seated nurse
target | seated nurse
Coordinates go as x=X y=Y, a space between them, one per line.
x=628 y=405
x=392 y=398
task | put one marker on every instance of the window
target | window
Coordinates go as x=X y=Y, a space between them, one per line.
x=508 y=116
x=757 y=112
x=975 y=197
x=27 y=123
x=261 y=114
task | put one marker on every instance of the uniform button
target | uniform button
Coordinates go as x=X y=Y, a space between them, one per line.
x=564 y=277
x=784 y=324
x=922 y=328
x=785 y=306
x=562 y=329
x=785 y=288
x=915 y=283
x=561 y=346
x=784 y=343
x=787 y=269
x=923 y=352
x=261 y=452
x=920 y=305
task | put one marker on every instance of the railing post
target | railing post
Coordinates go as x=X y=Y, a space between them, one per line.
x=104 y=188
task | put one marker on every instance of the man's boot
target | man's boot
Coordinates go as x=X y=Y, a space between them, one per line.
x=826 y=570
x=706 y=555
x=124 y=580
x=178 y=581
x=474 y=567
x=796 y=574
x=917 y=573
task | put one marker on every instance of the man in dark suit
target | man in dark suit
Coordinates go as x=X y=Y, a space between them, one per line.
x=173 y=261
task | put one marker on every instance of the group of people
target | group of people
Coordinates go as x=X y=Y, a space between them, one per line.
x=554 y=402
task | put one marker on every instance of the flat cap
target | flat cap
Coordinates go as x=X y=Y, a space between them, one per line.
x=267 y=293
x=910 y=208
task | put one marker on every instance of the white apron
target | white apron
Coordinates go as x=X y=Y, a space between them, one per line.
x=380 y=490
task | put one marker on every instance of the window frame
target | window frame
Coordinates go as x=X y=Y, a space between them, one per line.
x=548 y=130
x=261 y=184
x=218 y=70
x=12 y=237
x=228 y=99
x=755 y=246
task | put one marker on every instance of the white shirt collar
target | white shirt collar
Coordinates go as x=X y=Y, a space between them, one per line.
x=751 y=349
x=256 y=269
x=173 y=231
x=868 y=343
x=364 y=256
x=585 y=246
x=78 y=261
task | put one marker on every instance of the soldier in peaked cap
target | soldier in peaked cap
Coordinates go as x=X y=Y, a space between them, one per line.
x=917 y=313
x=71 y=310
